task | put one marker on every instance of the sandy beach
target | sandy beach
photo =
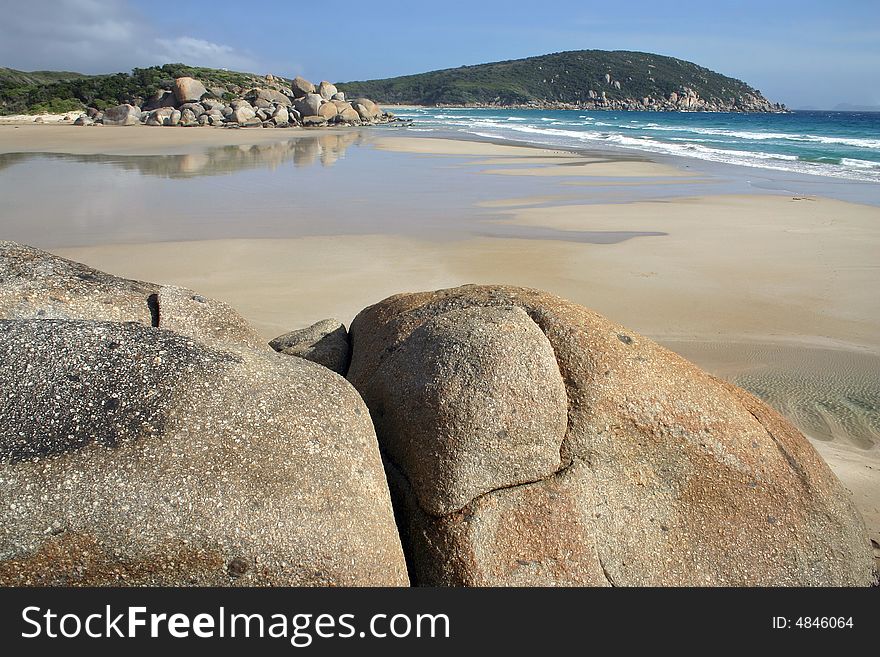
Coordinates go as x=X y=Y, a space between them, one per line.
x=772 y=291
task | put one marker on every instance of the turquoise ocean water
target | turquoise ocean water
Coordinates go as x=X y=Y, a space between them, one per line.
x=836 y=144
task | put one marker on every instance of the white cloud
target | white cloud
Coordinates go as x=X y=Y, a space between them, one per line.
x=103 y=36
x=190 y=50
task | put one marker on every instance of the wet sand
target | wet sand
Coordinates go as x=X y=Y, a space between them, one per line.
x=774 y=292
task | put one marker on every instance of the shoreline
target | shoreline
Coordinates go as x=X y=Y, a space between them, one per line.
x=43 y=138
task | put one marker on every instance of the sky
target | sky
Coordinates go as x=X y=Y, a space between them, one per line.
x=806 y=53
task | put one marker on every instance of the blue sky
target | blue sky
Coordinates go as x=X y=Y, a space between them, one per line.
x=805 y=53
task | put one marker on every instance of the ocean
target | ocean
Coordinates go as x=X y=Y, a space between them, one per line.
x=833 y=144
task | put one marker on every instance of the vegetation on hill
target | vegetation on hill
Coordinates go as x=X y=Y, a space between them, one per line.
x=46 y=91
x=565 y=77
x=584 y=78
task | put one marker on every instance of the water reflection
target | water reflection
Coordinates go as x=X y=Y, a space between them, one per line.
x=303 y=151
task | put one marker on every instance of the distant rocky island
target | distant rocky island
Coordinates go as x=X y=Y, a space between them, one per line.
x=581 y=79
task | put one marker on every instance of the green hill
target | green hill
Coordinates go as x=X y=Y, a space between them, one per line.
x=629 y=80
x=11 y=77
x=50 y=91
x=587 y=79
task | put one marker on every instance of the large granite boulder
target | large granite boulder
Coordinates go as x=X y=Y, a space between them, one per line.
x=348 y=115
x=309 y=105
x=327 y=90
x=188 y=90
x=132 y=455
x=300 y=87
x=328 y=111
x=161 y=116
x=160 y=99
x=270 y=96
x=366 y=108
x=530 y=441
x=188 y=117
x=243 y=114
x=122 y=115
x=196 y=108
x=281 y=115
x=325 y=342
x=35 y=284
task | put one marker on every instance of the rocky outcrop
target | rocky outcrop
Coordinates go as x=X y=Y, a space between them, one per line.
x=325 y=342
x=530 y=441
x=275 y=106
x=35 y=284
x=132 y=455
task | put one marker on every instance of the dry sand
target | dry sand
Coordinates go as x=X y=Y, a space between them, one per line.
x=790 y=279
x=23 y=119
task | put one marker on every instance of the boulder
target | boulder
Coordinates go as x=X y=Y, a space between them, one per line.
x=349 y=115
x=174 y=119
x=271 y=96
x=300 y=87
x=243 y=114
x=366 y=108
x=188 y=90
x=327 y=90
x=122 y=115
x=35 y=284
x=196 y=108
x=314 y=121
x=325 y=343
x=187 y=117
x=530 y=441
x=328 y=111
x=162 y=98
x=338 y=96
x=309 y=104
x=213 y=104
x=83 y=120
x=135 y=456
x=280 y=115
x=161 y=116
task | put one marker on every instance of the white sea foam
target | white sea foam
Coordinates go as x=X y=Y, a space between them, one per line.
x=707 y=143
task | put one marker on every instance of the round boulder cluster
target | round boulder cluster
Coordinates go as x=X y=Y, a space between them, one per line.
x=276 y=105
